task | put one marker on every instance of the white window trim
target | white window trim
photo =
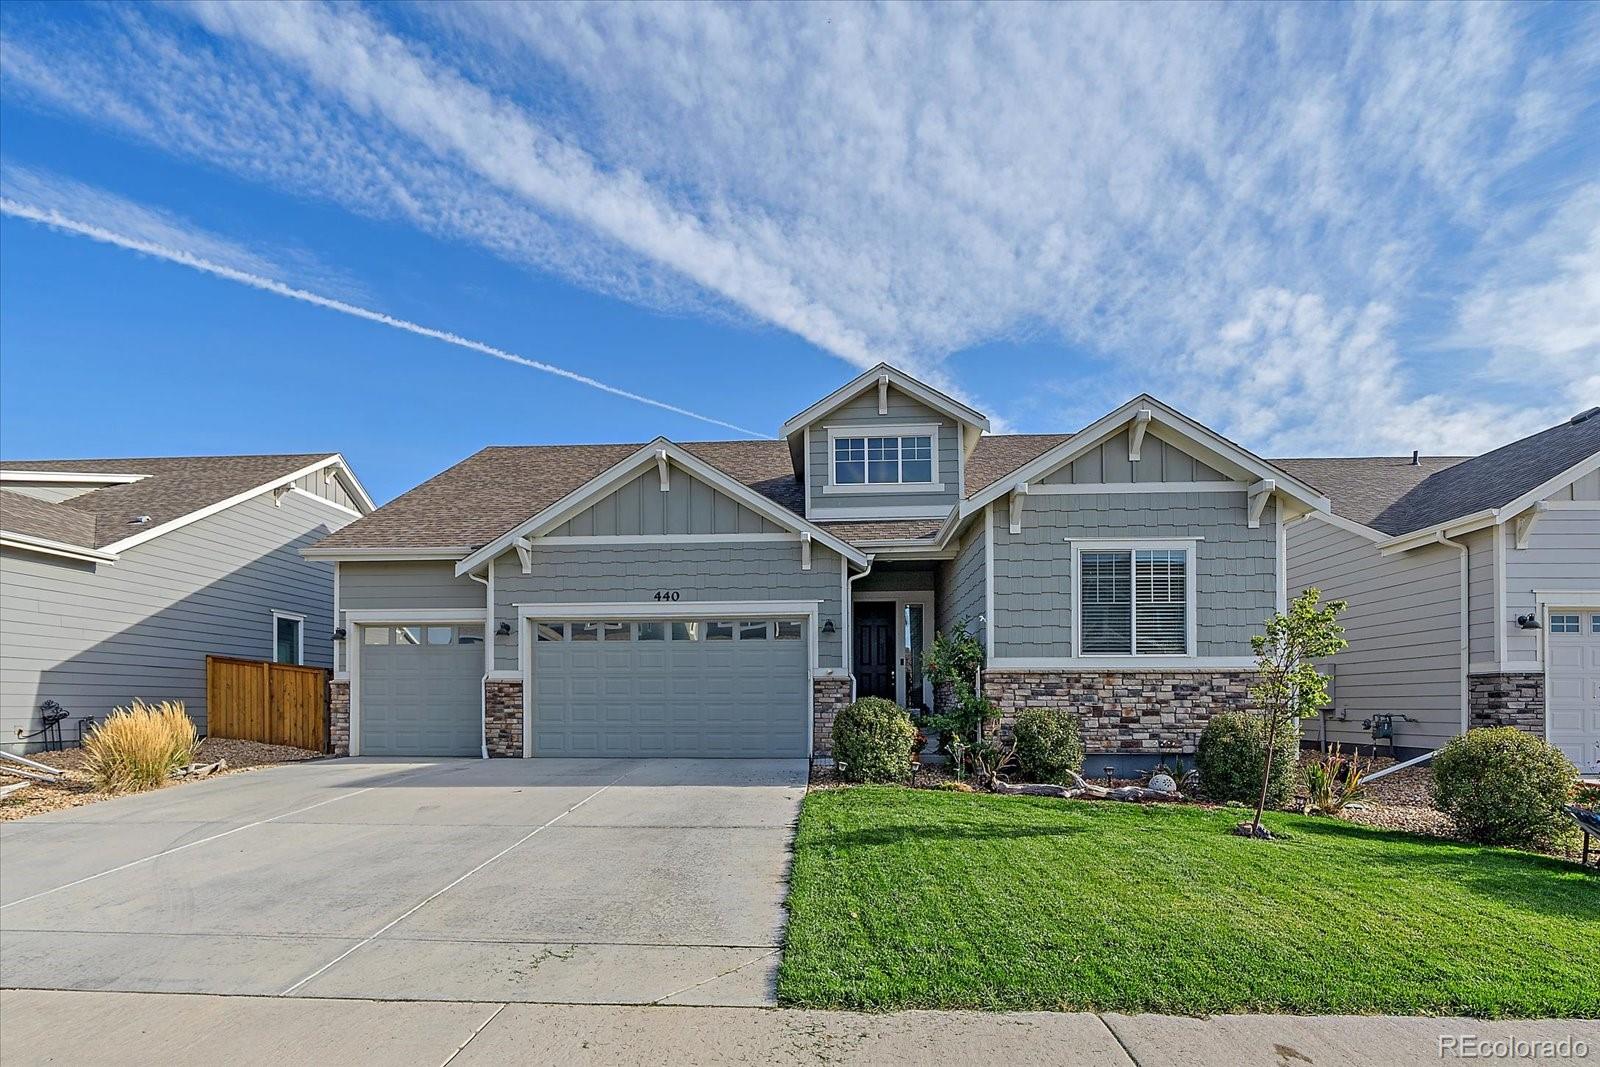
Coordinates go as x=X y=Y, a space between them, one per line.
x=870 y=430
x=300 y=637
x=1185 y=545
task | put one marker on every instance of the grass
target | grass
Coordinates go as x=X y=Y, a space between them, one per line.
x=919 y=899
x=138 y=747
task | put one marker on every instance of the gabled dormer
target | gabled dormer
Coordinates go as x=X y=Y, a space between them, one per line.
x=883 y=446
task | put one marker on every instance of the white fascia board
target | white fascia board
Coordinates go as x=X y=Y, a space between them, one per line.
x=29 y=543
x=353 y=485
x=681 y=609
x=21 y=476
x=1348 y=525
x=324 y=501
x=1430 y=535
x=355 y=555
x=900 y=380
x=1164 y=421
x=629 y=466
x=222 y=505
x=1561 y=481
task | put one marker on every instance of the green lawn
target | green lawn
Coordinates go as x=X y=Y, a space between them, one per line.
x=919 y=899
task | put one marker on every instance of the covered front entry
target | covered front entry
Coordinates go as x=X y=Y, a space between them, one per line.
x=419 y=690
x=724 y=686
x=1572 y=686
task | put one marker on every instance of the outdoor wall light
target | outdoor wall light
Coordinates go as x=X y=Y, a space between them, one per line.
x=827 y=627
x=503 y=630
x=1528 y=622
x=339 y=634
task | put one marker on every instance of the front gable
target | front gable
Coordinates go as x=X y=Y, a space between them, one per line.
x=687 y=508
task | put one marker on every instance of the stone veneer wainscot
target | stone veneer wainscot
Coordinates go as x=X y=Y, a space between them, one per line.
x=502 y=718
x=1127 y=711
x=1513 y=698
x=829 y=696
x=339 y=718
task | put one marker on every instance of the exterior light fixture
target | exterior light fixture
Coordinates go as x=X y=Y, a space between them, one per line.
x=339 y=634
x=827 y=627
x=1528 y=622
x=503 y=630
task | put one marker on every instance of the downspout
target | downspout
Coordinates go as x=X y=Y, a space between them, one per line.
x=1440 y=539
x=483 y=683
x=846 y=640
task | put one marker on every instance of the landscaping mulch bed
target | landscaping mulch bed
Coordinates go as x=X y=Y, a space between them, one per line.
x=74 y=788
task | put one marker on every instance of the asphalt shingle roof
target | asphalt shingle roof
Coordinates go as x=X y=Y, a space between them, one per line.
x=173 y=486
x=23 y=514
x=1395 y=497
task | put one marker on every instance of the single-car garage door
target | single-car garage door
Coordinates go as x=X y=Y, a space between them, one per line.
x=1572 y=706
x=680 y=687
x=420 y=691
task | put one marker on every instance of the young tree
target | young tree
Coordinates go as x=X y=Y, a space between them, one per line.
x=1288 y=685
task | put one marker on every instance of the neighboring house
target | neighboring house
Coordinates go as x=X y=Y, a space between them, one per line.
x=727 y=598
x=119 y=576
x=1474 y=590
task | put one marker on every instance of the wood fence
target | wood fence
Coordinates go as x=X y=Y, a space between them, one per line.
x=254 y=700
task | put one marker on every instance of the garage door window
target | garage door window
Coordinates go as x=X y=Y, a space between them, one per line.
x=552 y=631
x=686 y=631
x=787 y=630
x=585 y=631
x=1563 y=624
x=753 y=631
x=651 y=631
x=719 y=631
x=690 y=631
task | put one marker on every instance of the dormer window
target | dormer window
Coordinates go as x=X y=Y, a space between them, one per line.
x=904 y=459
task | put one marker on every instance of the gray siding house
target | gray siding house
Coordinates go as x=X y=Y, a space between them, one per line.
x=1474 y=590
x=726 y=598
x=119 y=576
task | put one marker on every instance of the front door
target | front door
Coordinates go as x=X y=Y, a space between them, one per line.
x=875 y=650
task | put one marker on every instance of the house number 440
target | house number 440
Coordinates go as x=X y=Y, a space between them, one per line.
x=666 y=594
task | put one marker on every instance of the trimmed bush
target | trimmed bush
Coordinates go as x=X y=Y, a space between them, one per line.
x=1049 y=743
x=1503 y=786
x=1232 y=752
x=137 y=748
x=872 y=741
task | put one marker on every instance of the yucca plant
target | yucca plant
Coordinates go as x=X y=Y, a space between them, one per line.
x=1333 y=780
x=138 y=747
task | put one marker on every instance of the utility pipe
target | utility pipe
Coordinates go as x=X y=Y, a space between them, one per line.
x=847 y=641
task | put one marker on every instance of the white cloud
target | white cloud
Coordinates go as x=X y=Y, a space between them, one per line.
x=1164 y=187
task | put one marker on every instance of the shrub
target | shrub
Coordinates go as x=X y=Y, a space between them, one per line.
x=1333 y=780
x=1503 y=786
x=1233 y=753
x=138 y=747
x=873 y=740
x=1048 y=744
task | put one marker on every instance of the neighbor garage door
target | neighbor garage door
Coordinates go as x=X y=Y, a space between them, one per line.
x=686 y=687
x=420 y=692
x=1572 y=706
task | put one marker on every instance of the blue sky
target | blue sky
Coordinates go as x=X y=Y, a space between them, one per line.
x=1321 y=229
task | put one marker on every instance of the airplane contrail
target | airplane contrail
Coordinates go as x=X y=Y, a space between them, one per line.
x=53 y=218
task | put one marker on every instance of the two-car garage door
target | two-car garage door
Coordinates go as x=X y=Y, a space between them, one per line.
x=737 y=687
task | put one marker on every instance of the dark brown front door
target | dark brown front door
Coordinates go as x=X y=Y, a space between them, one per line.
x=874 y=650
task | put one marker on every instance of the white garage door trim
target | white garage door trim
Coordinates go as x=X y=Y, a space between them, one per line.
x=1583 y=604
x=393 y=617
x=631 y=612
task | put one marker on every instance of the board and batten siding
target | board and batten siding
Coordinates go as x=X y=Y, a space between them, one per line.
x=1108 y=462
x=639 y=507
x=331 y=489
x=861 y=414
x=633 y=574
x=94 y=636
x=961 y=590
x=1404 y=629
x=1563 y=554
x=1034 y=591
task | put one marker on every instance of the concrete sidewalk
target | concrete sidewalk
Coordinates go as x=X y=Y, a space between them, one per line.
x=87 y=1028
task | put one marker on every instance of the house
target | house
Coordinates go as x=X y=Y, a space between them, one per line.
x=119 y=576
x=726 y=598
x=1474 y=591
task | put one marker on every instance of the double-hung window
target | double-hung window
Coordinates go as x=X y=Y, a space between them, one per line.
x=899 y=460
x=1134 y=601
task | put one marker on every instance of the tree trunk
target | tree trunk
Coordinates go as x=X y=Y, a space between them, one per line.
x=1266 y=774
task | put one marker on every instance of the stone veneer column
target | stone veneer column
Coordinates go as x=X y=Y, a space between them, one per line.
x=1512 y=698
x=1127 y=711
x=828 y=697
x=339 y=718
x=502 y=718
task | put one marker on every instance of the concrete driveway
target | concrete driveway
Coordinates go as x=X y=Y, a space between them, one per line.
x=580 y=881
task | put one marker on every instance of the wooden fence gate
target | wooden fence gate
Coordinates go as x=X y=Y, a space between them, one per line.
x=254 y=700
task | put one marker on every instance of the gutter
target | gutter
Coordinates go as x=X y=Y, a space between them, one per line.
x=849 y=613
x=483 y=683
x=1464 y=637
